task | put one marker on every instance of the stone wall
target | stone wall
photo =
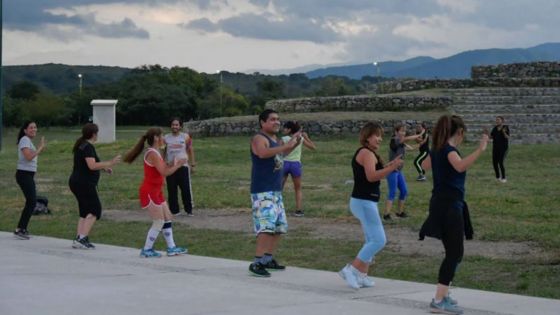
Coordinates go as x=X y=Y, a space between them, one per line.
x=359 y=103
x=517 y=70
x=248 y=127
x=416 y=85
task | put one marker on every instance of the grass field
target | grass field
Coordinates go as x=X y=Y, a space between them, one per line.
x=526 y=209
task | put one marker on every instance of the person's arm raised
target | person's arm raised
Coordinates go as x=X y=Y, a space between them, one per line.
x=261 y=148
x=162 y=168
x=461 y=165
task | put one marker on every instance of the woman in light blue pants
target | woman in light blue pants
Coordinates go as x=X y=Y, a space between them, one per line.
x=368 y=170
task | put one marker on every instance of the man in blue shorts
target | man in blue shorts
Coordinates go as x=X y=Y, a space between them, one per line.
x=269 y=216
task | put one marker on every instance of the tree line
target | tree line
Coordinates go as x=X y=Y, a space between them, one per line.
x=150 y=94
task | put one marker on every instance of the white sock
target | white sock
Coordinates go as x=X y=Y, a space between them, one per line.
x=151 y=238
x=168 y=235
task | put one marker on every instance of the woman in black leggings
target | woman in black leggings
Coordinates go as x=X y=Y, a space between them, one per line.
x=26 y=169
x=500 y=144
x=448 y=218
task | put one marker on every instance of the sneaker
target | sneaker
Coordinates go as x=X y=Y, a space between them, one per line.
x=450 y=300
x=78 y=243
x=190 y=214
x=445 y=307
x=21 y=235
x=176 y=251
x=274 y=266
x=363 y=280
x=298 y=213
x=149 y=253
x=402 y=215
x=503 y=180
x=421 y=178
x=257 y=269
x=347 y=273
x=387 y=217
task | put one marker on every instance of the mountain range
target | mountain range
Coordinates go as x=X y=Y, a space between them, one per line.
x=453 y=67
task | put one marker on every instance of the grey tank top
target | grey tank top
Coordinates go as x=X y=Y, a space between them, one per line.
x=176 y=147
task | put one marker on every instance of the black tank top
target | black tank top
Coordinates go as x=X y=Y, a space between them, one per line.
x=364 y=189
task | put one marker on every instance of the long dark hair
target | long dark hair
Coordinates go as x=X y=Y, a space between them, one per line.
x=22 y=129
x=88 y=131
x=446 y=127
x=367 y=131
x=149 y=137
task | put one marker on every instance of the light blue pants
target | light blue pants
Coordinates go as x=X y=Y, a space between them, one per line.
x=366 y=211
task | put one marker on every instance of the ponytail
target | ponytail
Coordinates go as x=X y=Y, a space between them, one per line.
x=446 y=127
x=88 y=131
x=148 y=137
x=131 y=155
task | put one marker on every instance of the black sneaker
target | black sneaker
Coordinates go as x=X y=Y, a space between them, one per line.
x=82 y=243
x=21 y=235
x=402 y=215
x=88 y=244
x=387 y=217
x=273 y=265
x=257 y=269
x=298 y=213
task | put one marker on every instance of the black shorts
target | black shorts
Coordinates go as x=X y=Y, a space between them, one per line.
x=88 y=200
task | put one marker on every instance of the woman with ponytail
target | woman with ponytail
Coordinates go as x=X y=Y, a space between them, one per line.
x=151 y=195
x=83 y=183
x=449 y=219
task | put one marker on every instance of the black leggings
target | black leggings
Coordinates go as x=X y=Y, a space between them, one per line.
x=180 y=178
x=498 y=157
x=27 y=184
x=452 y=238
x=418 y=162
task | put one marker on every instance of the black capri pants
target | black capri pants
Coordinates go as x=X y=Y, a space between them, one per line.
x=88 y=200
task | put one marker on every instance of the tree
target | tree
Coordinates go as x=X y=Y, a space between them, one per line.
x=23 y=90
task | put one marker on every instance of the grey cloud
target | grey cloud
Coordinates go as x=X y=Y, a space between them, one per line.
x=259 y=27
x=32 y=15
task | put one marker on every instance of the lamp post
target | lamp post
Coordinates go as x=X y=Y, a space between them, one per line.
x=376 y=65
x=221 y=81
x=80 y=77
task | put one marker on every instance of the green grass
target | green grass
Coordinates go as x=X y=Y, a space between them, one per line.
x=524 y=209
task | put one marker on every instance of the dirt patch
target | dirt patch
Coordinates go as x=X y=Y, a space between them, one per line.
x=401 y=240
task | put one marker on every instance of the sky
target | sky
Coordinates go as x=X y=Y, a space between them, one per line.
x=254 y=35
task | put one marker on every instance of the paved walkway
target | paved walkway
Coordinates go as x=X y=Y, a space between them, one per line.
x=46 y=276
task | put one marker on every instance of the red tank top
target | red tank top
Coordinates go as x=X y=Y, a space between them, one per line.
x=152 y=178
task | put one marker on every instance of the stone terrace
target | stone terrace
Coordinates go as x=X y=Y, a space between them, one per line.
x=533 y=114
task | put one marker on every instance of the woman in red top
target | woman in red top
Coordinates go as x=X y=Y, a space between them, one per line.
x=151 y=195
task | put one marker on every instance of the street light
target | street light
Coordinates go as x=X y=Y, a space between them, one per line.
x=221 y=81
x=376 y=65
x=80 y=84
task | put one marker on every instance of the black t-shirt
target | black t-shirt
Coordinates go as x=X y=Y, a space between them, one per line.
x=81 y=172
x=446 y=178
x=364 y=189
x=498 y=137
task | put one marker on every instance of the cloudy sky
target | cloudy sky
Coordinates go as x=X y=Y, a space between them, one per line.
x=244 y=35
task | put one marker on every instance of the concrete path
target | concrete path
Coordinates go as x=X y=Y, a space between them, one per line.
x=46 y=276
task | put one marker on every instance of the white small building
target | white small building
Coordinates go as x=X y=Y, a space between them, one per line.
x=105 y=118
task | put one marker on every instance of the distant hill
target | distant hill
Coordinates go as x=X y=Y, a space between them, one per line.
x=454 y=67
x=59 y=78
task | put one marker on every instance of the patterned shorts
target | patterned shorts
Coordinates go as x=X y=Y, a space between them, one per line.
x=269 y=215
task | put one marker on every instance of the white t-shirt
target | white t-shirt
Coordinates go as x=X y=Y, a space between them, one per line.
x=22 y=163
x=176 y=147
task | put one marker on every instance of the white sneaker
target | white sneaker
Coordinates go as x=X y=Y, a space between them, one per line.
x=347 y=273
x=365 y=282
x=503 y=180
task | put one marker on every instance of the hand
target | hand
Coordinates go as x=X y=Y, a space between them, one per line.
x=115 y=160
x=296 y=139
x=42 y=144
x=109 y=170
x=179 y=161
x=483 y=142
x=192 y=166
